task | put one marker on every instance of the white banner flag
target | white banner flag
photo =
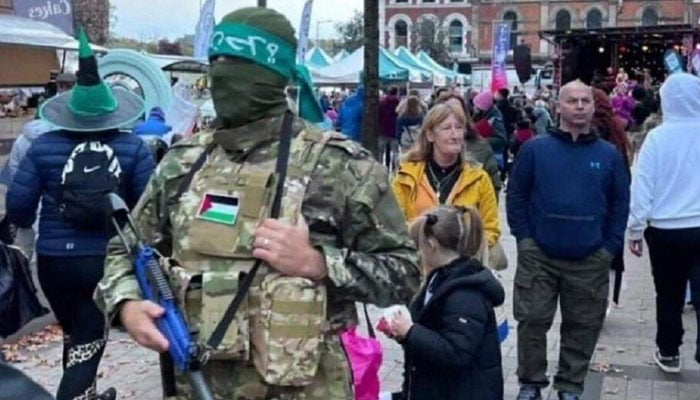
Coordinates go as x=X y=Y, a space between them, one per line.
x=304 y=32
x=205 y=28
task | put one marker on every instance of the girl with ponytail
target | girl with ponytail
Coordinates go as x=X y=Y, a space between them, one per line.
x=450 y=338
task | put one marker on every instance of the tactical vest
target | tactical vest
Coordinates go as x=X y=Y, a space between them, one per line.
x=280 y=324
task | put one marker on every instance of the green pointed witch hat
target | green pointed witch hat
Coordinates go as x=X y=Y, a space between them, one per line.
x=91 y=106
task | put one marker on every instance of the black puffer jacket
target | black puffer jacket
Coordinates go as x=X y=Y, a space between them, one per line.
x=452 y=351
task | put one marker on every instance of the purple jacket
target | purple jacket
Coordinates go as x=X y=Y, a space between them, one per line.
x=623 y=106
x=388 y=116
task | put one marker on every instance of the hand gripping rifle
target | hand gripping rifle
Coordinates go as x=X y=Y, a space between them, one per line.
x=185 y=353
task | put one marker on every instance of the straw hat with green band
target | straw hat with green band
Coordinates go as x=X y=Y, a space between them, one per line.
x=236 y=37
x=91 y=106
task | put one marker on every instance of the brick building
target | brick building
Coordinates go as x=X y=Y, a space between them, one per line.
x=468 y=23
x=5 y=6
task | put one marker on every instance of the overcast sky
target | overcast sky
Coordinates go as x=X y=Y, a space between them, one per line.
x=152 y=19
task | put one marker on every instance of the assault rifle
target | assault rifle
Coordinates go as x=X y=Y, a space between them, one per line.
x=184 y=352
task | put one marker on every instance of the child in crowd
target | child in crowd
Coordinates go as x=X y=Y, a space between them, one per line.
x=523 y=133
x=332 y=114
x=450 y=339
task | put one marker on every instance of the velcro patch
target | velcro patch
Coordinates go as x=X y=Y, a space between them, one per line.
x=219 y=208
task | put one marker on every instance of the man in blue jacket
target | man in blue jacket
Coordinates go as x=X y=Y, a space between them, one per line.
x=350 y=118
x=567 y=205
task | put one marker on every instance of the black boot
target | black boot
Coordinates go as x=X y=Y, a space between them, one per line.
x=109 y=394
x=697 y=340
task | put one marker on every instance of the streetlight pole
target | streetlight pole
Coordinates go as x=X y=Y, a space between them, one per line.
x=370 y=117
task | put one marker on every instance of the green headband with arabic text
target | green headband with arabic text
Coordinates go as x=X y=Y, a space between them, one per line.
x=269 y=51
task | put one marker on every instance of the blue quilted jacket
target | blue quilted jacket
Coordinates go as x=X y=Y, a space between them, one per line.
x=39 y=177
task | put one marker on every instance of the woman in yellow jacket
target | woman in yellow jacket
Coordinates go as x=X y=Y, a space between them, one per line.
x=438 y=171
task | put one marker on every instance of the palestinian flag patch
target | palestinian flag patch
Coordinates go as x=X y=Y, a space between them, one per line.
x=219 y=208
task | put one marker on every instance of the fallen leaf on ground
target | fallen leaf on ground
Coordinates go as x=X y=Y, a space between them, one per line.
x=44 y=362
x=14 y=357
x=620 y=350
x=600 y=367
x=31 y=343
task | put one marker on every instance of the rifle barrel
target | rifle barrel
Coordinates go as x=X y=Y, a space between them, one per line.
x=200 y=386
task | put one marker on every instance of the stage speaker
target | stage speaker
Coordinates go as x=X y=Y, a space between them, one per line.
x=523 y=62
x=464 y=68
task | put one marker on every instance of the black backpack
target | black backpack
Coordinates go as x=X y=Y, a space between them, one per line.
x=91 y=172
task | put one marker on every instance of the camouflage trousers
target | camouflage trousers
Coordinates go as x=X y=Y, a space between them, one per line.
x=232 y=380
x=581 y=287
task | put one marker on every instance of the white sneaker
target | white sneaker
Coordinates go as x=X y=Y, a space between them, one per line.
x=669 y=364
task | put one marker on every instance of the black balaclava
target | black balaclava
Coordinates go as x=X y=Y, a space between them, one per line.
x=242 y=91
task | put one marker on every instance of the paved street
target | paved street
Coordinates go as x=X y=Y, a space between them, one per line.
x=623 y=354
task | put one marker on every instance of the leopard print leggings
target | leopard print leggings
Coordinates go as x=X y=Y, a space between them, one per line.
x=68 y=283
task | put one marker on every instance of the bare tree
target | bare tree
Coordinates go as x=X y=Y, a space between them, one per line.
x=370 y=118
x=427 y=36
x=351 y=33
x=93 y=16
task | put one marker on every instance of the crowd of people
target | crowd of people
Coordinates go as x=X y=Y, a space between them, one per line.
x=422 y=230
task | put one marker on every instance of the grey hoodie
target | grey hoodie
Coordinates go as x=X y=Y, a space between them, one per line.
x=30 y=131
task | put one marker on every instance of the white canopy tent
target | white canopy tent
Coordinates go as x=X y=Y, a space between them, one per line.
x=317 y=58
x=30 y=49
x=341 y=55
x=439 y=75
x=349 y=69
x=346 y=70
x=416 y=74
x=20 y=31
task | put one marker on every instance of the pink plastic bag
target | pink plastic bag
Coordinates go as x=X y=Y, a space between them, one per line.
x=365 y=356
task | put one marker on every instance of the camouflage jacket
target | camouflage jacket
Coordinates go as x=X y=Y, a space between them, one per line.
x=350 y=209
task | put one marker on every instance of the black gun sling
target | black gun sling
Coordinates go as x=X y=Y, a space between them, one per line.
x=281 y=171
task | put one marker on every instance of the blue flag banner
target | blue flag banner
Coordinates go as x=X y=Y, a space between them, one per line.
x=55 y=12
x=501 y=45
x=304 y=32
x=205 y=29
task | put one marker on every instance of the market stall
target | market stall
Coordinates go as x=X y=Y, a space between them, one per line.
x=30 y=49
x=349 y=69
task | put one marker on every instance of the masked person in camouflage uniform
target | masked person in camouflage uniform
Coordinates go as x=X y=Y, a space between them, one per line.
x=341 y=237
